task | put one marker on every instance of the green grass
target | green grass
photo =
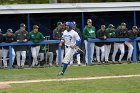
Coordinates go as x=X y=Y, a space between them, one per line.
x=119 y=85
x=85 y=71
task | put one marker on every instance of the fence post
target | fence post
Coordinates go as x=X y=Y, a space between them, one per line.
x=29 y=52
x=10 y=57
x=83 y=46
x=134 y=51
x=59 y=56
x=135 y=18
x=28 y=22
x=89 y=52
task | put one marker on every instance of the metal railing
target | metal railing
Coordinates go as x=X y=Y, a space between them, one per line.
x=31 y=43
x=134 y=43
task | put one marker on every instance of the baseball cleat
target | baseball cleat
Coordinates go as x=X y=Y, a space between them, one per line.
x=60 y=74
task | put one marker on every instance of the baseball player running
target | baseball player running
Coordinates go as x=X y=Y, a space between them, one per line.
x=89 y=32
x=71 y=39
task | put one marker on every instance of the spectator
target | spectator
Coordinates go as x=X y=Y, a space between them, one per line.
x=35 y=36
x=48 y=55
x=1 y=40
x=120 y=33
x=101 y=34
x=80 y=34
x=111 y=34
x=57 y=34
x=21 y=35
x=8 y=38
x=89 y=32
x=132 y=34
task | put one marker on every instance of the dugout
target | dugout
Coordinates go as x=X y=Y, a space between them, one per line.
x=47 y=15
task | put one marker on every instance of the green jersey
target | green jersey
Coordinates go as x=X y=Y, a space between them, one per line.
x=36 y=37
x=111 y=34
x=89 y=32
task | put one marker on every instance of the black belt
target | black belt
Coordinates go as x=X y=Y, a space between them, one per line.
x=67 y=46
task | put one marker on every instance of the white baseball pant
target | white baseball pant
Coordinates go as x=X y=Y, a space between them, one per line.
x=35 y=52
x=69 y=52
x=130 y=50
x=23 y=55
x=41 y=56
x=118 y=46
x=78 y=59
x=62 y=55
x=92 y=45
x=5 y=54
x=102 y=48
x=0 y=57
x=49 y=55
x=107 y=51
x=139 y=49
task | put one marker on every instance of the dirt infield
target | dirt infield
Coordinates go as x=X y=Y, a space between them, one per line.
x=6 y=84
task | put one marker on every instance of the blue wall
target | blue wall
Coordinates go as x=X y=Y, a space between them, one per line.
x=47 y=22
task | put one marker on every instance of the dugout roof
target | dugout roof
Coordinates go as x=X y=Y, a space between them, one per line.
x=69 y=7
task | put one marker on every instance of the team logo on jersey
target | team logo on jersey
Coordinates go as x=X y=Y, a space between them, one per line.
x=67 y=38
x=91 y=31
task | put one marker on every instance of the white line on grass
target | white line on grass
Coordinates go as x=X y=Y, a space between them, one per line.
x=69 y=79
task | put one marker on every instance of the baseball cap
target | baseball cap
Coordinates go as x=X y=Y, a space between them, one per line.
x=111 y=26
x=89 y=20
x=103 y=26
x=74 y=23
x=123 y=24
x=35 y=27
x=22 y=25
x=59 y=23
x=134 y=27
x=10 y=30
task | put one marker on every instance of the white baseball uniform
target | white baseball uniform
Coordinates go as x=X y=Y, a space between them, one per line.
x=139 y=49
x=70 y=38
x=92 y=45
x=118 y=46
x=102 y=48
x=107 y=51
x=5 y=54
x=35 y=52
x=130 y=49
